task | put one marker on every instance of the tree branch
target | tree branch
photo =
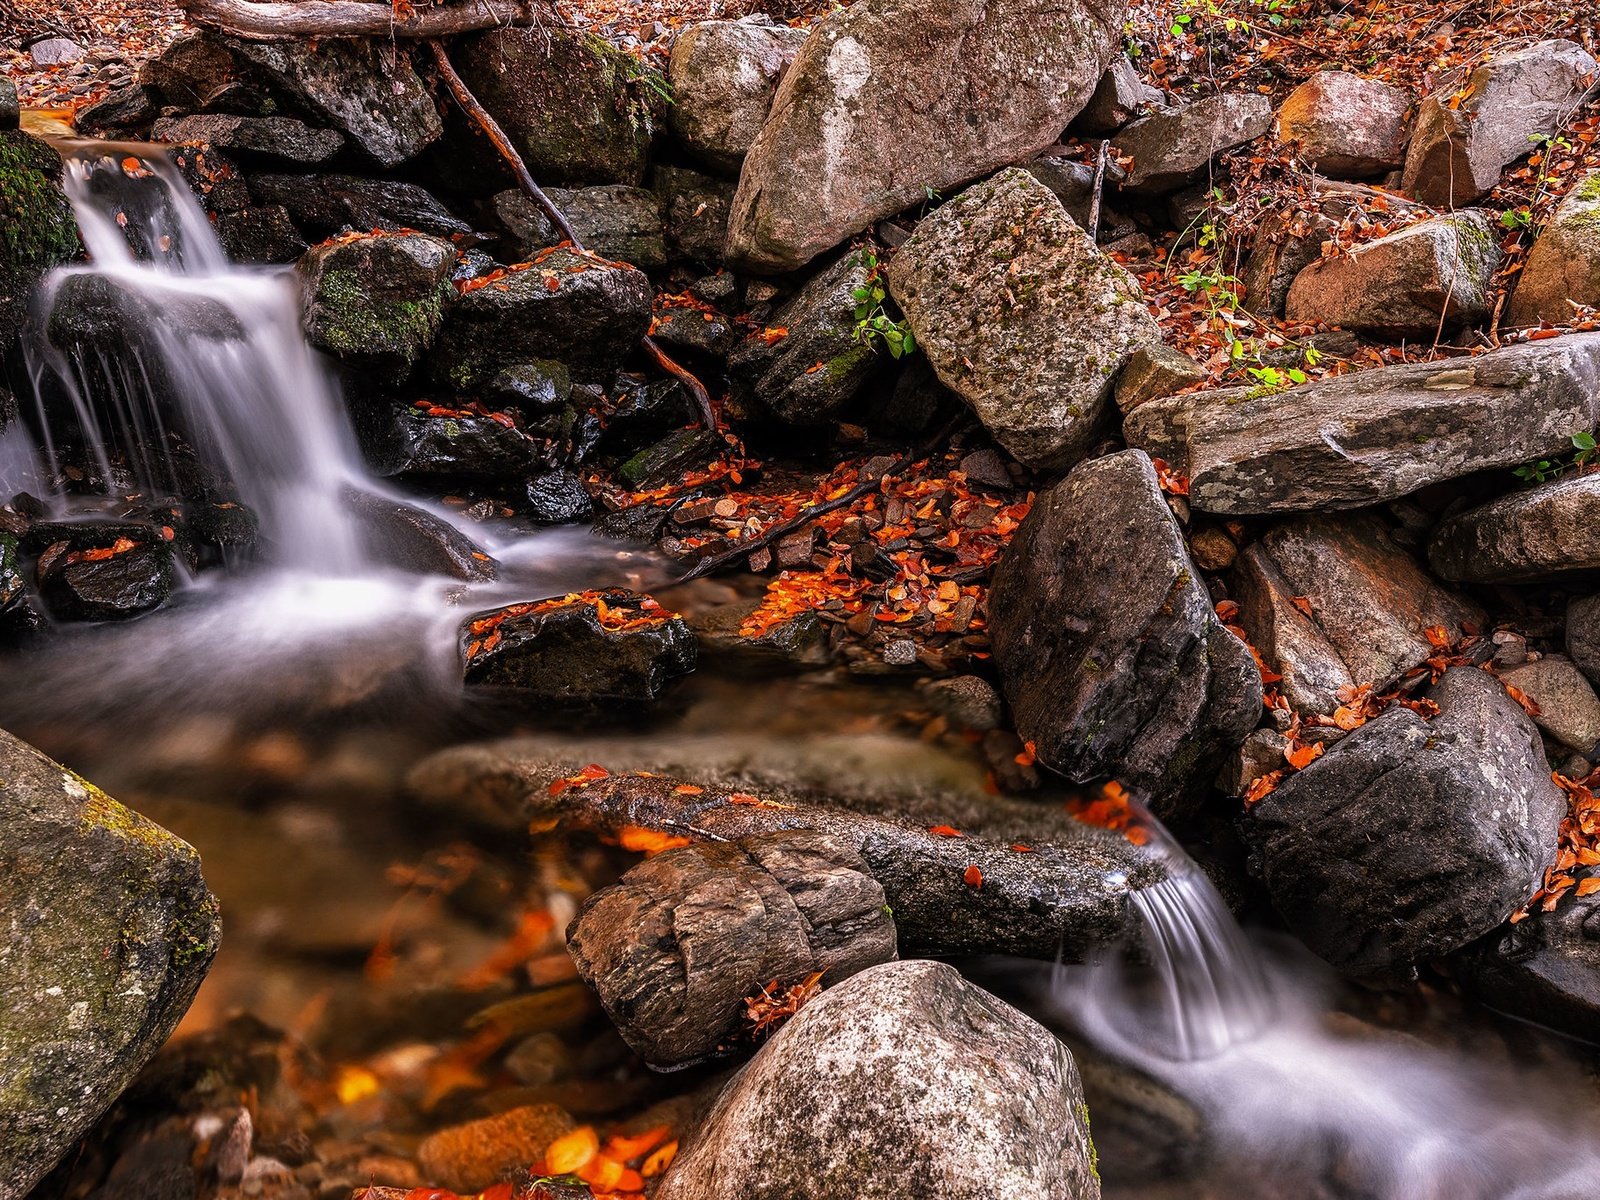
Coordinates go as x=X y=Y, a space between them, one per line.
x=357 y=18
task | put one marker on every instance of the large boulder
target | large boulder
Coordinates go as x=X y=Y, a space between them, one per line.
x=1346 y=125
x=1174 y=146
x=1544 y=531
x=904 y=1075
x=1466 y=135
x=1331 y=604
x=109 y=931
x=37 y=230
x=1409 y=838
x=723 y=76
x=890 y=98
x=1021 y=315
x=1563 y=267
x=1435 y=275
x=1109 y=651
x=1372 y=436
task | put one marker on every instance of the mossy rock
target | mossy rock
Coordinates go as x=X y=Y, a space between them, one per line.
x=37 y=230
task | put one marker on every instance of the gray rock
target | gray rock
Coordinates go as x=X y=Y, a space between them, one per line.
x=723 y=76
x=621 y=223
x=968 y=701
x=55 y=52
x=1433 y=276
x=1563 y=268
x=110 y=929
x=1117 y=99
x=1569 y=710
x=1152 y=372
x=77 y=585
x=261 y=234
x=402 y=535
x=263 y=137
x=694 y=208
x=1583 y=634
x=1109 y=651
x=1021 y=316
x=1174 y=146
x=442 y=449
x=1409 y=838
x=798 y=644
x=324 y=205
x=1346 y=125
x=867 y=119
x=1369 y=604
x=10 y=108
x=1542 y=532
x=903 y=1072
x=1459 y=148
x=1372 y=436
x=558 y=497
x=676 y=946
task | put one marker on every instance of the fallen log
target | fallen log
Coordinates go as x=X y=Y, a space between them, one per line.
x=357 y=18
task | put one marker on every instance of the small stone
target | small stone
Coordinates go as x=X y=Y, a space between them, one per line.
x=1569 y=710
x=1260 y=754
x=478 y=1154
x=1212 y=548
x=901 y=652
x=55 y=52
x=966 y=700
x=987 y=468
x=1174 y=146
x=1155 y=371
x=557 y=498
x=1117 y=99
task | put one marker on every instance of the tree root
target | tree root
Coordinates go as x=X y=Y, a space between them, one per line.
x=261 y=19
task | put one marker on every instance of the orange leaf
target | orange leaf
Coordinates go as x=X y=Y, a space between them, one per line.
x=571 y=1152
x=1302 y=754
x=687 y=789
x=972 y=877
x=945 y=831
x=1589 y=886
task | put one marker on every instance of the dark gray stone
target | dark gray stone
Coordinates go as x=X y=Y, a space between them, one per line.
x=1541 y=532
x=1173 y=146
x=376 y=302
x=695 y=209
x=558 y=497
x=252 y=137
x=622 y=223
x=324 y=205
x=413 y=539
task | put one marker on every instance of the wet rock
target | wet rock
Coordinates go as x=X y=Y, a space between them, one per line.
x=10 y=110
x=643 y=411
x=19 y=612
x=106 y=577
x=265 y=234
x=776 y=372
x=376 y=302
x=1544 y=531
x=1569 y=710
x=1152 y=372
x=591 y=319
x=797 y=644
x=478 y=1154
x=1174 y=146
x=558 y=497
x=1109 y=652
x=41 y=232
x=723 y=75
x=1117 y=99
x=867 y=119
x=1346 y=125
x=1373 y=435
x=904 y=1072
x=1563 y=267
x=246 y=137
x=613 y=648
x=1438 y=274
x=111 y=930
x=623 y=223
x=568 y=101
x=673 y=457
x=1409 y=838
x=967 y=701
x=413 y=539
x=464 y=445
x=1021 y=316
x=1334 y=603
x=1460 y=146
x=324 y=205
x=695 y=209
x=677 y=945
x=123 y=112
x=701 y=331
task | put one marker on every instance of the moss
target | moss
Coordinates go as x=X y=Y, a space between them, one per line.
x=1088 y=1137
x=37 y=230
x=100 y=811
x=352 y=323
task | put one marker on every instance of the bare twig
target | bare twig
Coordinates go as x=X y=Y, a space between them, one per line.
x=1099 y=188
x=357 y=18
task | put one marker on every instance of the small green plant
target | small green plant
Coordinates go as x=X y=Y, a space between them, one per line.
x=1583 y=453
x=874 y=325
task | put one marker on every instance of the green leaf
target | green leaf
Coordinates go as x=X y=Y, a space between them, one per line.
x=1583 y=441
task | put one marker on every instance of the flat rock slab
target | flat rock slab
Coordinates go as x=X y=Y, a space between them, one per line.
x=1375 y=435
x=269 y=137
x=905 y=1076
x=889 y=98
x=109 y=929
x=1542 y=532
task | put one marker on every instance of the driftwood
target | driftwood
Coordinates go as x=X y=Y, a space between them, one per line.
x=357 y=18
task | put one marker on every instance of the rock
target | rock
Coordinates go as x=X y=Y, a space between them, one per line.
x=797 y=644
x=1541 y=532
x=1374 y=435
x=19 y=612
x=695 y=209
x=591 y=320
x=1409 y=838
x=1109 y=652
x=37 y=230
x=55 y=52
x=10 y=109
x=1174 y=146
x=1583 y=634
x=903 y=1072
x=413 y=539
x=613 y=648
x=678 y=944
x=1154 y=371
x=1117 y=99
x=376 y=302
x=967 y=701
x=246 y=137
x=122 y=112
x=723 y=75
x=1432 y=276
x=1021 y=316
x=698 y=330
x=623 y=223
x=476 y=1155
x=1460 y=146
x=673 y=457
x=199 y=72
x=867 y=119
x=1335 y=603
x=568 y=101
x=106 y=577
x=1346 y=125
x=1563 y=267
x=452 y=445
x=325 y=205
x=1260 y=754
x=1569 y=710
x=368 y=91
x=558 y=497
x=110 y=931
x=259 y=235
x=776 y=372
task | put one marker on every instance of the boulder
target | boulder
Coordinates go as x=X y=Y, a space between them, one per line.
x=678 y=945
x=904 y=1072
x=1430 y=277
x=869 y=118
x=1563 y=267
x=399 y=534
x=110 y=929
x=775 y=368
x=252 y=137
x=106 y=578
x=376 y=301
x=1409 y=838
x=1460 y=145
x=723 y=75
x=1541 y=532
x=558 y=497
x=1117 y=99
x=577 y=109
x=1346 y=125
x=324 y=205
x=1335 y=603
x=1583 y=634
x=1109 y=651
x=1569 y=710
x=37 y=230
x=1375 y=435
x=1174 y=146
x=622 y=223
x=572 y=306
x=453 y=445
x=694 y=208
x=1154 y=371
x=1021 y=316
x=263 y=234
